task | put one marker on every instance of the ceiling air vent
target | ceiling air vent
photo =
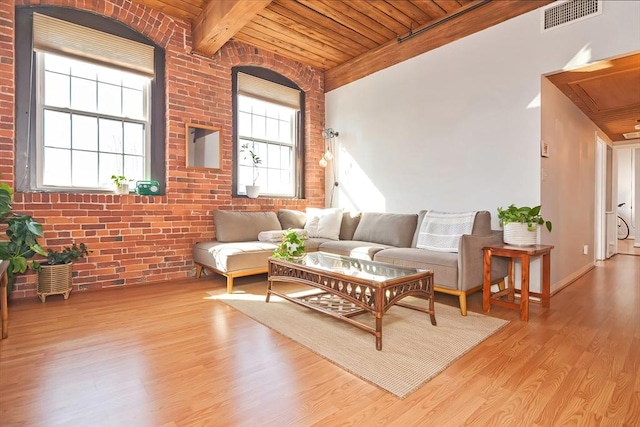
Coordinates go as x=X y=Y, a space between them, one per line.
x=567 y=12
x=631 y=135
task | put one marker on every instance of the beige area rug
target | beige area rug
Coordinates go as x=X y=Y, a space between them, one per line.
x=413 y=350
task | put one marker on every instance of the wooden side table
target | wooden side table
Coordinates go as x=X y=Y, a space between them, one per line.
x=524 y=254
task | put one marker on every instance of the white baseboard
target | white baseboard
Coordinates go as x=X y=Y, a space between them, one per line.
x=556 y=287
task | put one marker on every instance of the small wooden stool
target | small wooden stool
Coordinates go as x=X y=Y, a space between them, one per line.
x=524 y=254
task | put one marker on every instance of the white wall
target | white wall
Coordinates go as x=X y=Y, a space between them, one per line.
x=458 y=128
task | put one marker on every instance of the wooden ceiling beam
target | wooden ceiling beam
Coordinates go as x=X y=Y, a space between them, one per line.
x=393 y=52
x=220 y=20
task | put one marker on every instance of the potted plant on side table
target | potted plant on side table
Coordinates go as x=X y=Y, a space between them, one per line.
x=520 y=224
x=252 y=190
x=55 y=274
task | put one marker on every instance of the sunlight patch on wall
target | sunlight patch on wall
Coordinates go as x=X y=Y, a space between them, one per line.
x=356 y=191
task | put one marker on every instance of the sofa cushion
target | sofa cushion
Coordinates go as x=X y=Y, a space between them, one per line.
x=387 y=229
x=481 y=226
x=443 y=264
x=441 y=231
x=233 y=226
x=290 y=218
x=350 y=222
x=324 y=223
x=352 y=248
x=231 y=257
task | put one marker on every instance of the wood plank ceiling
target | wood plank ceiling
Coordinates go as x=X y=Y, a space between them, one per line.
x=350 y=39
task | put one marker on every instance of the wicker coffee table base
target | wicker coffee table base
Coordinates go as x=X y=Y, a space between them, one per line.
x=345 y=297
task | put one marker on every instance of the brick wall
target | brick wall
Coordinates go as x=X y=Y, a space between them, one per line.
x=144 y=239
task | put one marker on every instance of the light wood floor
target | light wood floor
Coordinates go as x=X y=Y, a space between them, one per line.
x=166 y=355
x=627 y=247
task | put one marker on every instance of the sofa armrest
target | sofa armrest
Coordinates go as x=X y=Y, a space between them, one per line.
x=471 y=260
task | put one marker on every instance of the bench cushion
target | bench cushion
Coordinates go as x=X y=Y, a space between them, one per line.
x=231 y=257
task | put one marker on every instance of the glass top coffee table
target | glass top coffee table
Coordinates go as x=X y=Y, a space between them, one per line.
x=352 y=286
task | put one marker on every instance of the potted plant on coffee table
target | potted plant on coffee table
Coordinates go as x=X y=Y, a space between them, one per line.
x=252 y=190
x=55 y=274
x=520 y=224
x=292 y=246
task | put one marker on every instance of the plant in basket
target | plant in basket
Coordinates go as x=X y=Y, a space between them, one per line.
x=55 y=274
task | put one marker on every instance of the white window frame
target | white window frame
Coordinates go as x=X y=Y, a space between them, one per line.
x=263 y=90
x=40 y=108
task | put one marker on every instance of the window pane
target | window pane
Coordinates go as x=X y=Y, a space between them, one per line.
x=273 y=156
x=108 y=75
x=57 y=167
x=110 y=164
x=258 y=127
x=83 y=69
x=85 y=133
x=133 y=103
x=110 y=136
x=134 y=138
x=57 y=63
x=56 y=129
x=83 y=94
x=244 y=104
x=85 y=169
x=56 y=90
x=244 y=124
x=286 y=134
x=245 y=175
x=272 y=129
x=285 y=157
x=109 y=99
x=134 y=167
x=133 y=81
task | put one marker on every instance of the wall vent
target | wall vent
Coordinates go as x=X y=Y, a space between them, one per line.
x=567 y=12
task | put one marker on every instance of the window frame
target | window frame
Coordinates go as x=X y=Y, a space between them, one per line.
x=39 y=141
x=299 y=143
x=27 y=85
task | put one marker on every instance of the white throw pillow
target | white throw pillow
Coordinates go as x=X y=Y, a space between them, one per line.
x=324 y=223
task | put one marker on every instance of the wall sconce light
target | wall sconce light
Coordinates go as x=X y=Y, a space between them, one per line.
x=329 y=137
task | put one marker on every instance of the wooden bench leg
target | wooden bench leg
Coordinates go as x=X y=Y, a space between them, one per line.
x=198 y=271
x=229 y=284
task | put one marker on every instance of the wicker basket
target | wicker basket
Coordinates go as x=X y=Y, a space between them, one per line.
x=54 y=279
x=517 y=234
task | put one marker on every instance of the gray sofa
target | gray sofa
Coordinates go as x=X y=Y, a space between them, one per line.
x=383 y=237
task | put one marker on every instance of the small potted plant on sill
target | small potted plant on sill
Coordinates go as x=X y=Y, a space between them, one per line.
x=55 y=274
x=121 y=183
x=292 y=246
x=252 y=190
x=520 y=224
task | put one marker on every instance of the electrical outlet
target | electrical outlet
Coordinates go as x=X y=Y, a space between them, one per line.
x=585 y=249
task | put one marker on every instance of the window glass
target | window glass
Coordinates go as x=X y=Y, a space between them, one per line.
x=94 y=124
x=268 y=130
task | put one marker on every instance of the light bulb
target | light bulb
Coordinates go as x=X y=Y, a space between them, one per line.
x=328 y=155
x=323 y=162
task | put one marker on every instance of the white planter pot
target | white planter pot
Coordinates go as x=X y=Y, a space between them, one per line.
x=253 y=191
x=122 y=188
x=516 y=233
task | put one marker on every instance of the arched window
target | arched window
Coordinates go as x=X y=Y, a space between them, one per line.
x=89 y=101
x=268 y=127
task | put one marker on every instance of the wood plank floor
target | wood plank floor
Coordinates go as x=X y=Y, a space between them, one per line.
x=168 y=355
